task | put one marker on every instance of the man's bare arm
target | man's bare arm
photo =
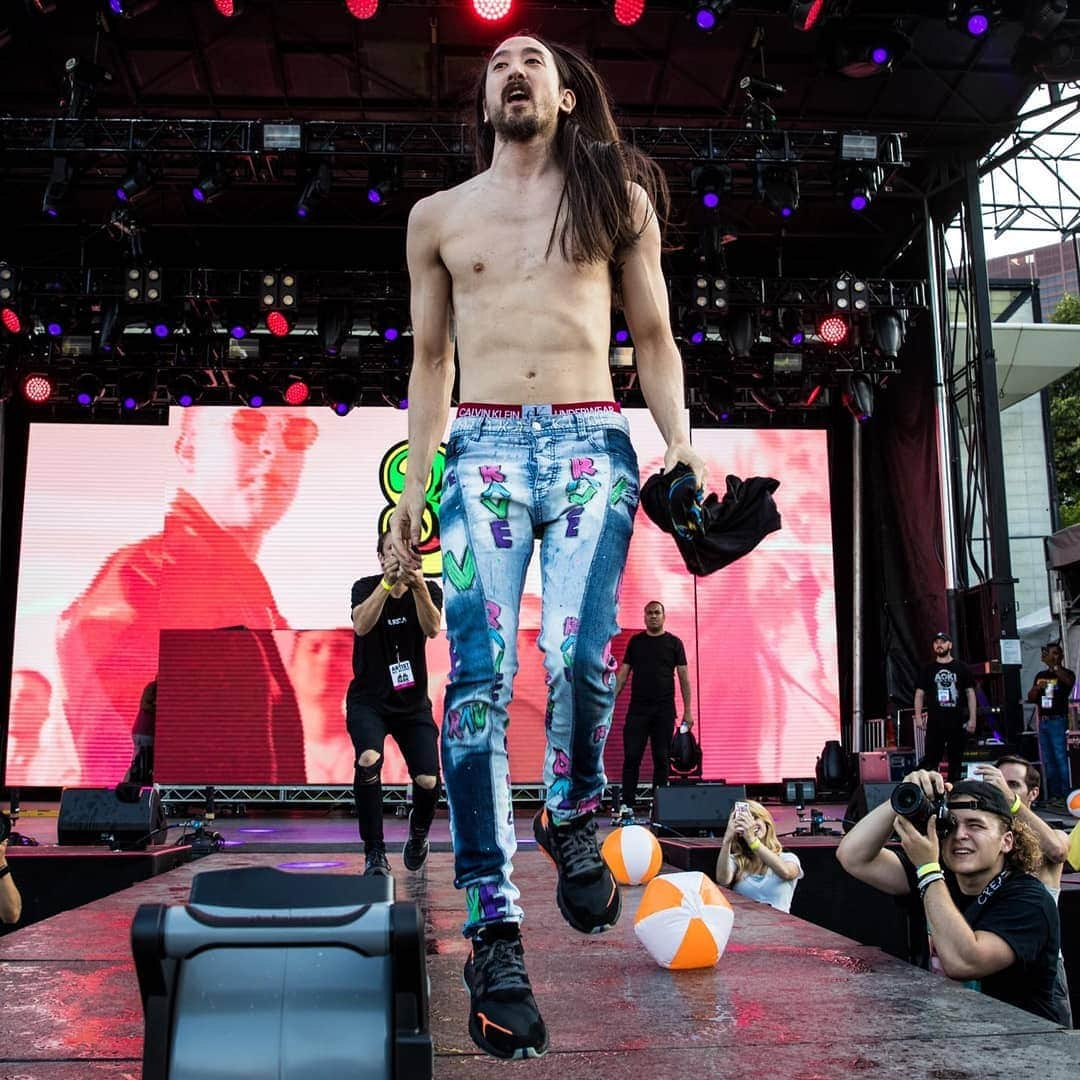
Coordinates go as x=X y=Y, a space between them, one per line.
x=620 y=678
x=432 y=375
x=648 y=318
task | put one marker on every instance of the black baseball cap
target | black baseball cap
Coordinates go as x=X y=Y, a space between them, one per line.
x=979 y=795
x=942 y=635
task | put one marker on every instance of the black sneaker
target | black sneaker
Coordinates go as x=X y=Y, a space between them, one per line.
x=587 y=894
x=503 y=1018
x=376 y=864
x=415 y=850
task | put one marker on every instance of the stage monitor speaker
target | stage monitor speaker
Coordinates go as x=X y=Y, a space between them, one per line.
x=799 y=791
x=696 y=806
x=126 y=817
x=865 y=799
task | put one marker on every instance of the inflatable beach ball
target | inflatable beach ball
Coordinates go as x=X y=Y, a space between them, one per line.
x=1072 y=801
x=633 y=855
x=684 y=921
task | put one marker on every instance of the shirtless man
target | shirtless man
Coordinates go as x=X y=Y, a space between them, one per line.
x=525 y=254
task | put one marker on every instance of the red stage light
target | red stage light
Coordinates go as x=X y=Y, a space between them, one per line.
x=296 y=393
x=814 y=394
x=227 y=8
x=805 y=15
x=363 y=9
x=627 y=12
x=10 y=318
x=492 y=10
x=37 y=389
x=277 y=323
x=833 y=330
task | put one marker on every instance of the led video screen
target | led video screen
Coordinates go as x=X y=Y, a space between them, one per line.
x=216 y=556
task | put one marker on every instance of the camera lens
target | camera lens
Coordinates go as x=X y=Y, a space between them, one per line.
x=5 y=827
x=907 y=798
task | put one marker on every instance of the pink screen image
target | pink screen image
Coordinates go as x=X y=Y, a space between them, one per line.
x=216 y=556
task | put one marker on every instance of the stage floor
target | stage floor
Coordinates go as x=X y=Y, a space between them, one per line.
x=787 y=999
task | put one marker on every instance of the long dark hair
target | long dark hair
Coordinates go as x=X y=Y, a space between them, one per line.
x=594 y=219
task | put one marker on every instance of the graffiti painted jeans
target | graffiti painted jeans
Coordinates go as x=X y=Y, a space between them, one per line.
x=569 y=479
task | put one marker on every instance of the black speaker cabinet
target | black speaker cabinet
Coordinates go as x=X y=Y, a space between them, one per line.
x=696 y=806
x=865 y=799
x=129 y=816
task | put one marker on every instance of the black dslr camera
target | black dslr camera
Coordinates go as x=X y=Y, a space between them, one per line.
x=5 y=827
x=911 y=802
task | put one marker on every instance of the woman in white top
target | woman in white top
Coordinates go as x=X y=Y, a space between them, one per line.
x=753 y=863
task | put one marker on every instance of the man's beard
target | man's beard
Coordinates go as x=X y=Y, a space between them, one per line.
x=515 y=127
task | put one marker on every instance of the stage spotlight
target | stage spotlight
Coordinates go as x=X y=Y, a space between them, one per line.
x=316 y=188
x=10 y=320
x=295 y=389
x=9 y=283
x=135 y=389
x=334 y=325
x=709 y=183
x=185 y=388
x=251 y=388
x=888 y=332
x=708 y=14
x=1043 y=17
x=384 y=178
x=130 y=9
x=88 y=389
x=362 y=9
x=37 y=387
x=790 y=326
x=82 y=81
x=389 y=322
x=975 y=19
x=278 y=323
x=778 y=186
x=857 y=185
x=805 y=16
x=229 y=9
x=812 y=391
x=212 y=181
x=620 y=332
x=136 y=182
x=143 y=285
x=340 y=393
x=861 y=50
x=112 y=327
x=56 y=189
x=710 y=292
x=860 y=295
x=695 y=328
x=627 y=12
x=833 y=330
x=840 y=293
x=742 y=333
x=279 y=296
x=56 y=320
x=238 y=319
x=492 y=10
x=858 y=395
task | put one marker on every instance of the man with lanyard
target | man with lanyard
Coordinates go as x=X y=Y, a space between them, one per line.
x=653 y=657
x=939 y=689
x=1050 y=692
x=393 y=614
x=992 y=925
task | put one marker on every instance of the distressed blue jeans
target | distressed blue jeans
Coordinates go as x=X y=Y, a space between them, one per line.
x=569 y=479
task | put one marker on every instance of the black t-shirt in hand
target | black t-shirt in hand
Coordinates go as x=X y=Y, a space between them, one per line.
x=396 y=637
x=653 y=660
x=1052 y=688
x=945 y=687
x=1023 y=914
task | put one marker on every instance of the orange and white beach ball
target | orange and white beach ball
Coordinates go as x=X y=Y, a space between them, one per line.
x=684 y=921
x=633 y=855
x=1072 y=801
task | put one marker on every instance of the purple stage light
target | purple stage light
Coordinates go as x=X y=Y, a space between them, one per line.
x=239 y=332
x=786 y=211
x=161 y=330
x=54 y=329
x=697 y=337
x=622 y=336
x=403 y=403
x=341 y=408
x=301 y=211
x=255 y=401
x=130 y=403
x=710 y=200
x=374 y=196
x=116 y=7
x=51 y=211
x=391 y=333
x=977 y=24
x=198 y=194
x=705 y=19
x=880 y=55
x=858 y=201
x=121 y=194
x=798 y=337
x=725 y=416
x=83 y=398
x=311 y=864
x=185 y=401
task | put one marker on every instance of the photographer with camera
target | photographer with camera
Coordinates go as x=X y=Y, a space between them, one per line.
x=752 y=861
x=938 y=709
x=10 y=900
x=992 y=925
x=1050 y=693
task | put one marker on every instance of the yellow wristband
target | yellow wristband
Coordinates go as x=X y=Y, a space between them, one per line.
x=928 y=868
x=388 y=588
x=1017 y=803
x=754 y=844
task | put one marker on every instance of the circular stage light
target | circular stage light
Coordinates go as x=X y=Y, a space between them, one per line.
x=277 y=324
x=10 y=318
x=977 y=24
x=833 y=330
x=363 y=9
x=492 y=10
x=296 y=393
x=37 y=388
x=627 y=12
